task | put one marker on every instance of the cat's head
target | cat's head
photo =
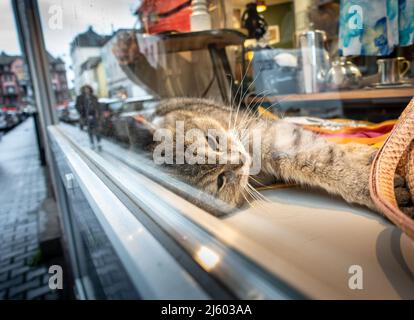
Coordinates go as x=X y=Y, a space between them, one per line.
x=202 y=151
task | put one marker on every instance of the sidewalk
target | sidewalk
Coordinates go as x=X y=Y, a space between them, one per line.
x=22 y=191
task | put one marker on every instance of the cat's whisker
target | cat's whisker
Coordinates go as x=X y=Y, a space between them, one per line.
x=230 y=100
x=232 y=105
x=246 y=134
x=255 y=201
x=249 y=114
x=262 y=93
x=241 y=93
x=259 y=103
x=251 y=190
x=249 y=111
x=248 y=88
x=261 y=196
x=246 y=198
x=254 y=116
x=241 y=82
x=275 y=104
x=230 y=97
x=254 y=196
x=257 y=181
x=278 y=101
x=258 y=203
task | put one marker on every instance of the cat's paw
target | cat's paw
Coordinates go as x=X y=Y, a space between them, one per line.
x=403 y=196
x=409 y=211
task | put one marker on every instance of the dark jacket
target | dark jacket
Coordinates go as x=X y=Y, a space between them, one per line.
x=88 y=107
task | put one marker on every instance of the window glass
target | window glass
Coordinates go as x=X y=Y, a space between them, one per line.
x=134 y=68
x=17 y=101
x=115 y=106
x=132 y=106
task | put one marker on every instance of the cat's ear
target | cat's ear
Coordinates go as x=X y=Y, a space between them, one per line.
x=144 y=123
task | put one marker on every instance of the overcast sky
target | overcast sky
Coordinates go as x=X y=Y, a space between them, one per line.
x=77 y=15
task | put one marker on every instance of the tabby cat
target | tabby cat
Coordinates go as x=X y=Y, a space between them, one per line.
x=287 y=153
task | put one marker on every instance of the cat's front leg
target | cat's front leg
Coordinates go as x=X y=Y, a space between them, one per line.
x=310 y=160
x=330 y=170
x=300 y=156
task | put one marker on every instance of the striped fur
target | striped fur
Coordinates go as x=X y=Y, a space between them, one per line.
x=288 y=153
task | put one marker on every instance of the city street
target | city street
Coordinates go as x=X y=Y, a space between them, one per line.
x=22 y=192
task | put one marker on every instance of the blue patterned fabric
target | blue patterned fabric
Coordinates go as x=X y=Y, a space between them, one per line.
x=375 y=27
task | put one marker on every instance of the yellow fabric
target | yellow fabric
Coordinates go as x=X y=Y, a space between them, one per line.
x=375 y=142
x=267 y=114
x=351 y=127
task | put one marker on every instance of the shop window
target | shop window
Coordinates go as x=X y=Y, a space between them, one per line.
x=302 y=58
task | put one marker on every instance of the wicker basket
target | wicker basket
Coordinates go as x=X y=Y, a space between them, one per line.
x=395 y=156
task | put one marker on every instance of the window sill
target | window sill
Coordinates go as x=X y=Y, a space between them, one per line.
x=304 y=239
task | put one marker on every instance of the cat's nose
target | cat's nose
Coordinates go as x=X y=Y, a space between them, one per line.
x=238 y=160
x=230 y=176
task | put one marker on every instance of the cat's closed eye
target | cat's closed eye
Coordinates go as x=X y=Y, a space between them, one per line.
x=221 y=180
x=213 y=142
x=225 y=177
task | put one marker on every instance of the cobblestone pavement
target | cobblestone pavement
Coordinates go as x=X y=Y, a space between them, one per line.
x=22 y=191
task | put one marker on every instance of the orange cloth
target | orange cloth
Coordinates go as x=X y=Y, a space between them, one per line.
x=364 y=132
x=370 y=134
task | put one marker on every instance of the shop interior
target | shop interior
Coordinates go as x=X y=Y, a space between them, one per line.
x=322 y=70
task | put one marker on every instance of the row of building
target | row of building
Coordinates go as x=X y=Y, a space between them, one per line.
x=95 y=64
x=15 y=87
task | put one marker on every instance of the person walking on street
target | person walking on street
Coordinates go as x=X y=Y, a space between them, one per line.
x=88 y=108
x=79 y=105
